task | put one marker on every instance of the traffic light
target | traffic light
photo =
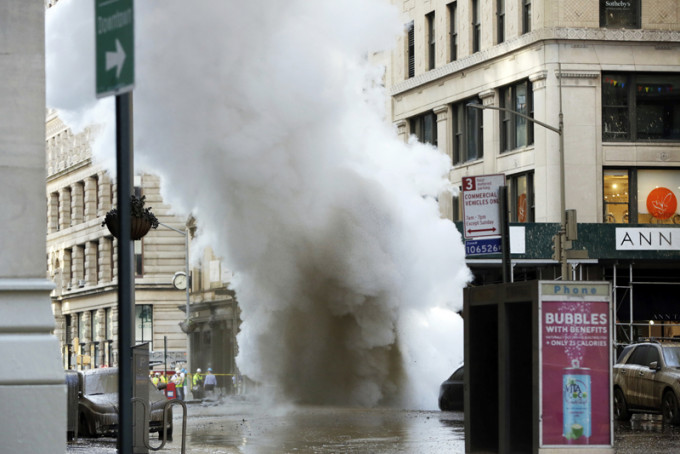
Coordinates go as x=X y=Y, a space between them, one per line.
x=556 y=247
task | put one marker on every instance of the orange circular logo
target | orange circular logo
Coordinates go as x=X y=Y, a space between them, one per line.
x=661 y=203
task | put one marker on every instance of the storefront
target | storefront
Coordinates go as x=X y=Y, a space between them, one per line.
x=642 y=262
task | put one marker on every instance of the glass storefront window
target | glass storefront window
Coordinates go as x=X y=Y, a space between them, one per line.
x=616 y=196
x=641 y=196
x=658 y=193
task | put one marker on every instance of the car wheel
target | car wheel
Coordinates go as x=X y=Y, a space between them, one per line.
x=670 y=408
x=83 y=427
x=620 y=406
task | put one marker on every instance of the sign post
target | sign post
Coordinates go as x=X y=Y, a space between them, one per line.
x=575 y=366
x=114 y=64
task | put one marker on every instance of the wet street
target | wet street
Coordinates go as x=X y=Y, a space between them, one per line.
x=239 y=426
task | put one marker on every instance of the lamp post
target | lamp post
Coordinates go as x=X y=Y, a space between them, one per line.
x=186 y=271
x=561 y=240
x=186 y=261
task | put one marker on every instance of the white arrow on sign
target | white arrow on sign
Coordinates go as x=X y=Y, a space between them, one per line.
x=116 y=59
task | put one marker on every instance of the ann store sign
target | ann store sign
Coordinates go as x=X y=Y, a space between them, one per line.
x=647 y=239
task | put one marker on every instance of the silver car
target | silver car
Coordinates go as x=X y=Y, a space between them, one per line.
x=647 y=380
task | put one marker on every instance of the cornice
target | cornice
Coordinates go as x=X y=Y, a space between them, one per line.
x=537 y=36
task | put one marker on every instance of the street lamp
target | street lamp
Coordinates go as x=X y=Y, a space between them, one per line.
x=176 y=280
x=560 y=249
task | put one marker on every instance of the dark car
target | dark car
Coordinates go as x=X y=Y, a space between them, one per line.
x=451 y=392
x=98 y=405
x=647 y=380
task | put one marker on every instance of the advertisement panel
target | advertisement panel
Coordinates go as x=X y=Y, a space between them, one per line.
x=575 y=364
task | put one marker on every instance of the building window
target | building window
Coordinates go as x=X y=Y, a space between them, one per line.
x=476 y=26
x=108 y=333
x=139 y=258
x=620 y=14
x=468 y=127
x=457 y=207
x=521 y=195
x=516 y=131
x=431 y=38
x=616 y=196
x=500 y=21
x=526 y=16
x=453 y=31
x=641 y=196
x=94 y=329
x=410 y=50
x=144 y=324
x=81 y=327
x=424 y=127
x=640 y=107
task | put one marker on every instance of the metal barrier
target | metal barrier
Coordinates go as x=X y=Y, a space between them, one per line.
x=167 y=405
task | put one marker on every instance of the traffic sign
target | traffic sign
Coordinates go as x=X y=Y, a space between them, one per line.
x=115 y=46
x=481 y=216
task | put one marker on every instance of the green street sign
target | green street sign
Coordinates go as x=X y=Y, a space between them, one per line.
x=115 y=46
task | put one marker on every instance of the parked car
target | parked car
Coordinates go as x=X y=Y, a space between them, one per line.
x=451 y=394
x=647 y=380
x=98 y=405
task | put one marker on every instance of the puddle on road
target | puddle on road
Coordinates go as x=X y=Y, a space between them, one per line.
x=333 y=430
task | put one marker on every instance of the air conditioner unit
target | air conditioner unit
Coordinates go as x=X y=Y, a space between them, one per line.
x=81 y=283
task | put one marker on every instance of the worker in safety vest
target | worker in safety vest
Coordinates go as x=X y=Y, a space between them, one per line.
x=156 y=379
x=179 y=379
x=197 y=384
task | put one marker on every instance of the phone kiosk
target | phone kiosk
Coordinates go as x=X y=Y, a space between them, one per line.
x=538 y=368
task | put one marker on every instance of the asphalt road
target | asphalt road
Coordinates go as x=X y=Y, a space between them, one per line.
x=249 y=427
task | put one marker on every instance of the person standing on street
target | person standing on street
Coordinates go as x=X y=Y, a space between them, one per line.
x=178 y=380
x=209 y=383
x=197 y=384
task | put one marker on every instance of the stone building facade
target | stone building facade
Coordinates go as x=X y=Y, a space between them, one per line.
x=32 y=385
x=82 y=259
x=611 y=72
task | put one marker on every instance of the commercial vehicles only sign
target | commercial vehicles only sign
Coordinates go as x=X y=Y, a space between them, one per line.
x=481 y=215
x=115 y=46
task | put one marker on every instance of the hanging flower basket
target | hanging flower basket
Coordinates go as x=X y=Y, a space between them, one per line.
x=142 y=219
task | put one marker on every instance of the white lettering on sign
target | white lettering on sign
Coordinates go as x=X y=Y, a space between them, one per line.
x=118 y=20
x=647 y=239
x=480 y=205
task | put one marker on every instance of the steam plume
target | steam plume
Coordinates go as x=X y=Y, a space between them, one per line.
x=265 y=120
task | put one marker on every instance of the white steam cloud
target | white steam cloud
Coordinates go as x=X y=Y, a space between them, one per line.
x=264 y=119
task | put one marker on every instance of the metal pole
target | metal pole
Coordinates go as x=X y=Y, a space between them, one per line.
x=559 y=130
x=188 y=288
x=505 y=233
x=566 y=276
x=165 y=357
x=126 y=296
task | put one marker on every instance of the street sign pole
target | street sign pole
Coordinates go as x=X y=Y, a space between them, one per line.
x=126 y=295
x=115 y=75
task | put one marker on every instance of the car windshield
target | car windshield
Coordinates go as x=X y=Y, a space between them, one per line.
x=672 y=355
x=100 y=383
